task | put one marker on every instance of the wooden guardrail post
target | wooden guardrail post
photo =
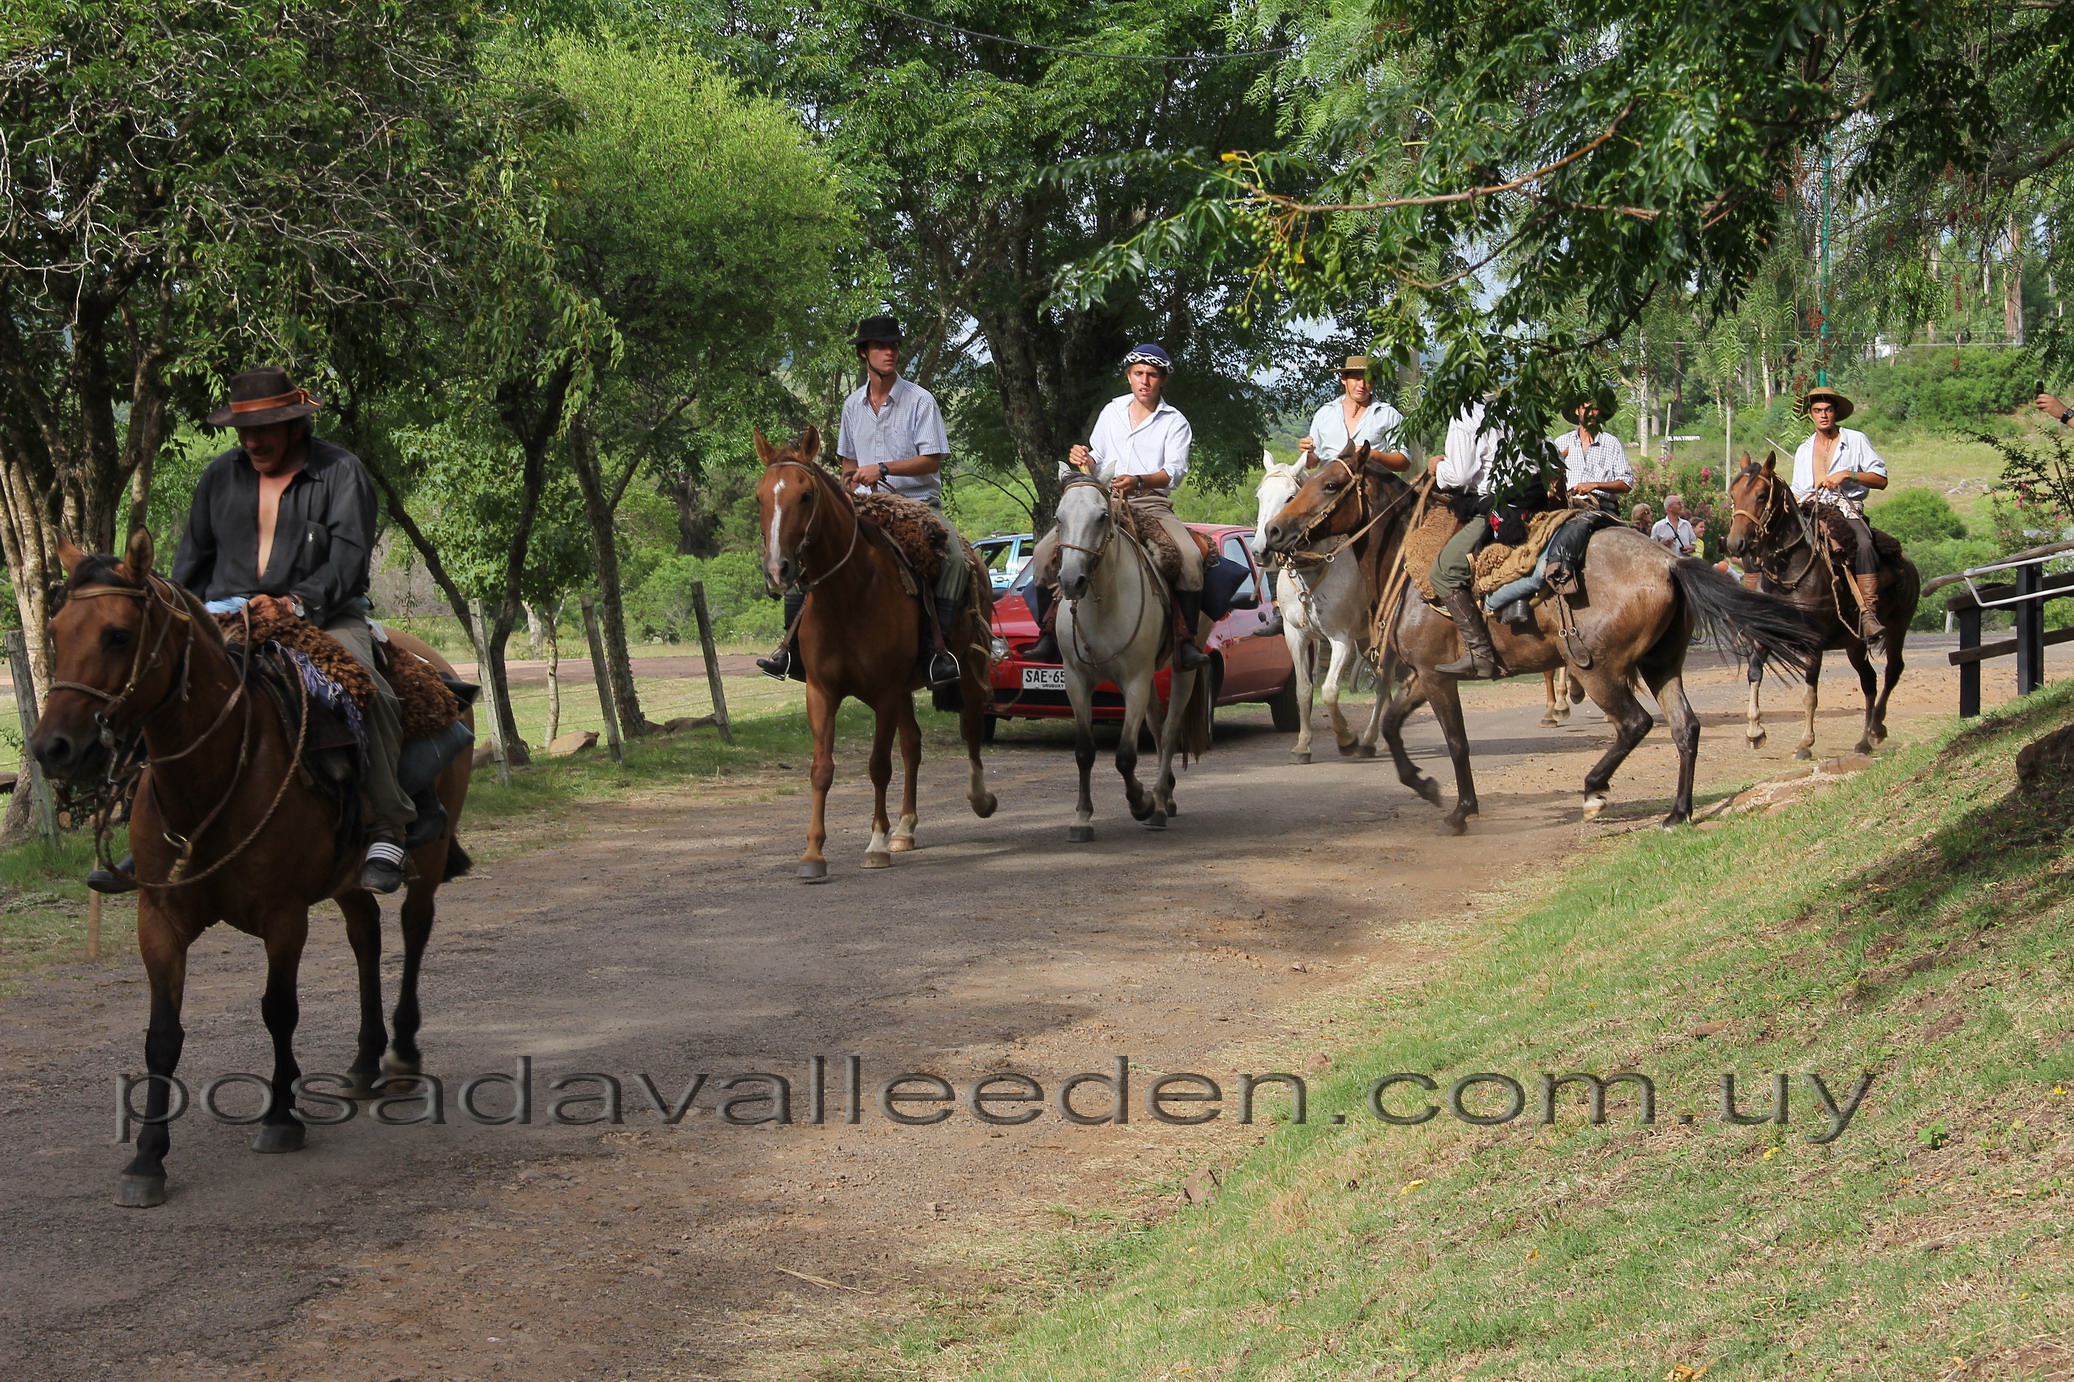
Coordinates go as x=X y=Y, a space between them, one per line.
x=31 y=775
x=1969 y=672
x=600 y=671
x=698 y=607
x=2030 y=632
x=492 y=698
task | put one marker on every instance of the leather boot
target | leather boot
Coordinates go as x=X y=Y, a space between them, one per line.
x=1189 y=609
x=1481 y=659
x=1046 y=648
x=1869 y=626
x=121 y=880
x=784 y=660
x=429 y=825
x=943 y=663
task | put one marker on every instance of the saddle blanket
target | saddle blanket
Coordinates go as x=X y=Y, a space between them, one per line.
x=916 y=532
x=1422 y=547
x=1497 y=566
x=424 y=702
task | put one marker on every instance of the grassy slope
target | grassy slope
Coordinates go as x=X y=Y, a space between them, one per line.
x=1913 y=923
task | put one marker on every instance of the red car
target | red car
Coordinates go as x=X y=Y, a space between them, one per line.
x=1245 y=664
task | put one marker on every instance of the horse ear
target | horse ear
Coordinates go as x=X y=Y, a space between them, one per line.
x=137 y=556
x=763 y=448
x=1361 y=456
x=1771 y=463
x=1267 y=459
x=810 y=443
x=69 y=556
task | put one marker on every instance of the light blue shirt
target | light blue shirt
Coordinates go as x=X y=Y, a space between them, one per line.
x=909 y=424
x=1378 y=427
x=1160 y=442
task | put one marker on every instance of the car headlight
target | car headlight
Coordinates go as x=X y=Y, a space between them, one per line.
x=1000 y=647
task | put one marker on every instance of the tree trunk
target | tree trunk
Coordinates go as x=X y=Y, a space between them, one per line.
x=599 y=504
x=554 y=673
x=2013 y=287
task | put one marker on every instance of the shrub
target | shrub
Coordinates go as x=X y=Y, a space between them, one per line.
x=660 y=606
x=1917 y=516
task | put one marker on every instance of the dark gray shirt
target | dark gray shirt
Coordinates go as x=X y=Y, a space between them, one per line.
x=323 y=532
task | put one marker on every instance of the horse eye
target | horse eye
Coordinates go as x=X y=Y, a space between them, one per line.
x=115 y=638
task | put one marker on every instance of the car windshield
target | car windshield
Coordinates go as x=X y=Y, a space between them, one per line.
x=998 y=553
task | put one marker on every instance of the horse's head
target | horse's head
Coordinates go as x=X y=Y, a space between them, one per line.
x=1319 y=509
x=794 y=488
x=115 y=653
x=1277 y=487
x=1757 y=493
x=1086 y=529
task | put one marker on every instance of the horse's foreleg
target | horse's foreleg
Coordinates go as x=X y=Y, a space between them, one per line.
x=821 y=708
x=1632 y=724
x=1753 y=723
x=364 y=933
x=286 y=934
x=1298 y=638
x=1335 y=674
x=1082 y=831
x=1810 y=698
x=1140 y=706
x=1894 y=664
x=1172 y=732
x=1374 y=727
x=1447 y=708
x=1685 y=736
x=143 y=1182
x=972 y=724
x=1869 y=685
x=877 y=854
x=911 y=763
x=1548 y=693
x=415 y=920
x=1410 y=698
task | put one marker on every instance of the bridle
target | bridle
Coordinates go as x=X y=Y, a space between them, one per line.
x=806 y=534
x=1760 y=522
x=1094 y=555
x=127 y=761
x=1354 y=486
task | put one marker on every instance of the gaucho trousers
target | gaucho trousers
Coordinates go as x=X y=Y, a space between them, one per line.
x=389 y=808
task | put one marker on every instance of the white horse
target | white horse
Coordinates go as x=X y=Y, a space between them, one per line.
x=1329 y=604
x=1113 y=626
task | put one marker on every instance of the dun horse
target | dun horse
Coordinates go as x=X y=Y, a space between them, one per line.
x=1326 y=601
x=1114 y=626
x=134 y=653
x=1779 y=543
x=1635 y=619
x=858 y=633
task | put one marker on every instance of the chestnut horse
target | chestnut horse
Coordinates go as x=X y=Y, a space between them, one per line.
x=1635 y=618
x=859 y=631
x=136 y=656
x=1775 y=541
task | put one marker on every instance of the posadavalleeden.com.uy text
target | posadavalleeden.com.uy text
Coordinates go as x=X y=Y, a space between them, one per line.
x=821 y=1091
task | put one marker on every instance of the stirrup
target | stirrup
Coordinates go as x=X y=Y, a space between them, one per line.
x=778 y=665
x=121 y=879
x=943 y=669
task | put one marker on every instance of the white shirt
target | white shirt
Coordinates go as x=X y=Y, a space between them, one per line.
x=909 y=424
x=1682 y=535
x=1160 y=442
x=1604 y=460
x=1465 y=460
x=1377 y=426
x=1853 y=452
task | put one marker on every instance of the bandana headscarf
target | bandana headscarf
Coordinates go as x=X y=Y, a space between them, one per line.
x=1149 y=354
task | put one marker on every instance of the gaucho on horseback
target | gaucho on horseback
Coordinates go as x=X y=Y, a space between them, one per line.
x=1835 y=469
x=1139 y=448
x=892 y=439
x=282 y=525
x=1462 y=480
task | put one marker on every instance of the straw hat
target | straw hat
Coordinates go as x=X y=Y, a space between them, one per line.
x=1823 y=393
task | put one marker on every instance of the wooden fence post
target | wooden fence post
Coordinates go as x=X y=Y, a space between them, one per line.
x=698 y=607
x=2030 y=632
x=1969 y=672
x=604 y=677
x=31 y=774
x=479 y=616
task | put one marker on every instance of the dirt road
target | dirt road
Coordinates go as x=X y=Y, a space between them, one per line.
x=669 y=938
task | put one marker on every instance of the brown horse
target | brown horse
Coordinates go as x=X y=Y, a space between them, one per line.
x=858 y=633
x=1635 y=619
x=1778 y=543
x=136 y=655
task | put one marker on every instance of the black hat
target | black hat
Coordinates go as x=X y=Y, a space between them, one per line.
x=1608 y=401
x=874 y=330
x=264 y=395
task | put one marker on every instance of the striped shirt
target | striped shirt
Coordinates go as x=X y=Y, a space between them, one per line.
x=1605 y=460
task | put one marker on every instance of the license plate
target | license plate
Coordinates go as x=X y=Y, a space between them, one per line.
x=1044 y=678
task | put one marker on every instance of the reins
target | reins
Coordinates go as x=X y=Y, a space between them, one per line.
x=1095 y=554
x=1762 y=522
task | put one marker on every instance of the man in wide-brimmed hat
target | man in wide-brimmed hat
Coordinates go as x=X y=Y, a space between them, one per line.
x=1836 y=468
x=1356 y=416
x=284 y=522
x=892 y=439
x=1595 y=464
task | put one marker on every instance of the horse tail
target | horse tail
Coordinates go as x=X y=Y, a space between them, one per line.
x=458 y=861
x=1755 y=625
x=1195 y=719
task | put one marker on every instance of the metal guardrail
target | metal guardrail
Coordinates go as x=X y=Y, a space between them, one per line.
x=2026 y=597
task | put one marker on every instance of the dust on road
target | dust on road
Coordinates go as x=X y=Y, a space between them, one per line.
x=670 y=937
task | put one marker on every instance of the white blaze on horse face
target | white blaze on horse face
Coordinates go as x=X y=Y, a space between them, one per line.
x=1080 y=513
x=770 y=556
x=1276 y=490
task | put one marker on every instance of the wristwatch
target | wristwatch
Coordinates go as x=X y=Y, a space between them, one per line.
x=2069 y=413
x=295 y=602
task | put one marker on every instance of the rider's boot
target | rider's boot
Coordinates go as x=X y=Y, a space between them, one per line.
x=1869 y=626
x=383 y=871
x=122 y=879
x=943 y=664
x=784 y=661
x=430 y=823
x=1188 y=611
x=1046 y=648
x=1481 y=659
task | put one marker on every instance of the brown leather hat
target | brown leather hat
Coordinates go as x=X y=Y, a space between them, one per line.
x=264 y=395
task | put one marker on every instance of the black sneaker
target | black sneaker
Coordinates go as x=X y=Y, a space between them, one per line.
x=123 y=879
x=383 y=871
x=943 y=669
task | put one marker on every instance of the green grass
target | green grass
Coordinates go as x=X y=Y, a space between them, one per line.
x=1913 y=923
x=43 y=906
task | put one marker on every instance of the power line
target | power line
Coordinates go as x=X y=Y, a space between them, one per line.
x=1076 y=52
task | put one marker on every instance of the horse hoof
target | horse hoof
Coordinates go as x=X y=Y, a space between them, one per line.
x=814 y=871
x=1673 y=822
x=1451 y=826
x=140 y=1192
x=1549 y=722
x=1080 y=834
x=1803 y=754
x=984 y=807
x=1365 y=751
x=1429 y=789
x=1156 y=821
x=900 y=844
x=878 y=859
x=1349 y=750
x=1295 y=757
x=1141 y=809
x=396 y=1067
x=279 y=1137
x=1757 y=741
x=1594 y=803
x=361 y=1084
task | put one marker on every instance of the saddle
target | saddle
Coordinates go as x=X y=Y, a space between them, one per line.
x=1152 y=535
x=1551 y=560
x=1840 y=546
x=913 y=533
x=1422 y=546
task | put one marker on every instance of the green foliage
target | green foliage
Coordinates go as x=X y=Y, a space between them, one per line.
x=1942 y=557
x=660 y=605
x=1916 y=515
x=1944 y=387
